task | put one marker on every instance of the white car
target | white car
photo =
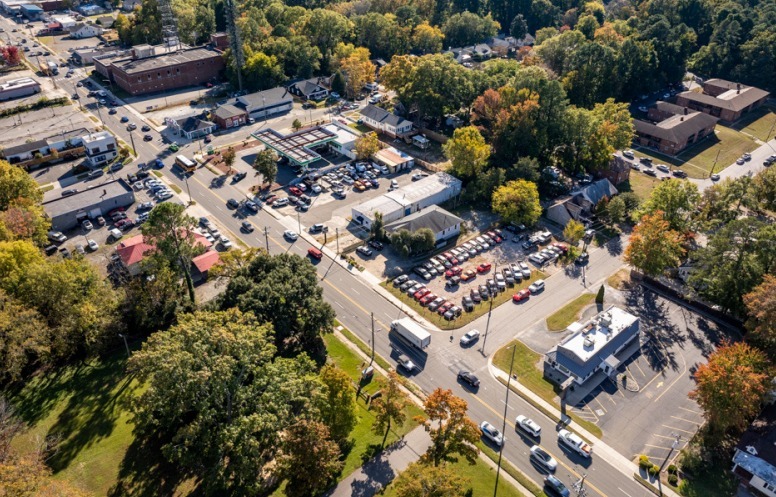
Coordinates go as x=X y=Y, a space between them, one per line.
x=491 y=433
x=536 y=287
x=316 y=188
x=628 y=153
x=226 y=243
x=542 y=458
x=470 y=337
x=164 y=195
x=92 y=245
x=663 y=167
x=290 y=235
x=528 y=425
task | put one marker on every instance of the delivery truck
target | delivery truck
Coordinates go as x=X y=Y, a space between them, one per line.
x=412 y=332
x=49 y=68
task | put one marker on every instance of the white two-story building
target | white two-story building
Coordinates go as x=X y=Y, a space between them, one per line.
x=100 y=147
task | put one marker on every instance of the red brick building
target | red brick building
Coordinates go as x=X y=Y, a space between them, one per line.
x=145 y=71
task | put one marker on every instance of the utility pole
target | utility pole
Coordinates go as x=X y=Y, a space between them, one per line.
x=336 y=230
x=490 y=311
x=373 y=340
x=266 y=238
x=299 y=222
x=504 y=424
x=134 y=150
x=126 y=345
x=579 y=486
x=185 y=180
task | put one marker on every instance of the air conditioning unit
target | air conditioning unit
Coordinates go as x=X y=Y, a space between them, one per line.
x=589 y=342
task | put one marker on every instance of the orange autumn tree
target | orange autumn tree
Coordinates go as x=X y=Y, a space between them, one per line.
x=452 y=432
x=761 y=309
x=731 y=386
x=653 y=246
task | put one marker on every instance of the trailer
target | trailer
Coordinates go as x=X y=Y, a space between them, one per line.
x=411 y=331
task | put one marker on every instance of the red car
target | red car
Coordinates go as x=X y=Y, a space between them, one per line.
x=521 y=295
x=451 y=258
x=295 y=191
x=427 y=299
x=561 y=247
x=453 y=271
x=444 y=307
x=421 y=293
x=495 y=237
x=468 y=275
x=484 y=267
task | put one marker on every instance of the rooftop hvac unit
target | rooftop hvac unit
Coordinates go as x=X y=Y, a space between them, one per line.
x=606 y=319
x=589 y=342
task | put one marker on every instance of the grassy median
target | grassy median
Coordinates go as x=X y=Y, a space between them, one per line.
x=569 y=313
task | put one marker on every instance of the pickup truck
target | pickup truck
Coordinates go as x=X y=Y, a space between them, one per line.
x=575 y=443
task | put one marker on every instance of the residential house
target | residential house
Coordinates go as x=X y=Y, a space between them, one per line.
x=202 y=264
x=672 y=128
x=106 y=21
x=133 y=250
x=599 y=344
x=723 y=99
x=409 y=199
x=383 y=121
x=100 y=147
x=82 y=30
x=263 y=104
x=191 y=127
x=310 y=89
x=754 y=461
x=580 y=204
x=442 y=223
x=129 y=5
x=618 y=170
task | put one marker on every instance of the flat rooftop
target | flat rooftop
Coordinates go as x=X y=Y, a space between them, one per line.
x=344 y=135
x=424 y=188
x=55 y=204
x=590 y=337
x=133 y=66
x=392 y=157
x=296 y=146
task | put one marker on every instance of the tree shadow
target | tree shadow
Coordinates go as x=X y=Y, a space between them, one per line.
x=614 y=246
x=656 y=324
x=145 y=473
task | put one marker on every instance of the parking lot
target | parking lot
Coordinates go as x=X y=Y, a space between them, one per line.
x=635 y=419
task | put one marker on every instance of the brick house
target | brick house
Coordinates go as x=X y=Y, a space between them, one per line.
x=673 y=128
x=723 y=99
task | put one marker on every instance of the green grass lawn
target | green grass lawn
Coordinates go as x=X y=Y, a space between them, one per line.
x=758 y=123
x=466 y=317
x=481 y=480
x=569 y=312
x=640 y=184
x=86 y=406
x=360 y=127
x=716 y=153
x=526 y=367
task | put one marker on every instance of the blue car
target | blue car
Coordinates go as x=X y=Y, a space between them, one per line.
x=158 y=163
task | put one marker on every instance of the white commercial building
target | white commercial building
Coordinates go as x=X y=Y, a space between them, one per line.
x=263 y=104
x=100 y=147
x=67 y=22
x=17 y=88
x=394 y=205
x=345 y=143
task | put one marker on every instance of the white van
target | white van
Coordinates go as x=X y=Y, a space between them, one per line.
x=371 y=86
x=116 y=233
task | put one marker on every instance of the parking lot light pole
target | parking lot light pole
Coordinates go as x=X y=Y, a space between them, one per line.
x=674 y=445
x=504 y=423
x=299 y=222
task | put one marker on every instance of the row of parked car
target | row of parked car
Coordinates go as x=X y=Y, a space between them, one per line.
x=441 y=264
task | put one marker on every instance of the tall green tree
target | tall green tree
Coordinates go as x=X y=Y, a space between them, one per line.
x=266 y=164
x=518 y=202
x=171 y=231
x=16 y=184
x=452 y=432
x=338 y=403
x=422 y=480
x=677 y=200
x=654 y=247
x=367 y=145
x=25 y=341
x=616 y=209
x=389 y=407
x=283 y=290
x=730 y=388
x=573 y=232
x=468 y=152
x=218 y=399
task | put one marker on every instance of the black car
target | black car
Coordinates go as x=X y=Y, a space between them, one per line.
x=239 y=177
x=556 y=487
x=142 y=174
x=376 y=245
x=246 y=227
x=468 y=303
x=582 y=258
x=453 y=282
x=67 y=193
x=131 y=178
x=145 y=127
x=232 y=203
x=65 y=252
x=147 y=138
x=469 y=378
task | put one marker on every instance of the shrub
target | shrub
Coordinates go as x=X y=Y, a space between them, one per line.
x=644 y=462
x=672 y=469
x=653 y=470
x=599 y=298
x=673 y=480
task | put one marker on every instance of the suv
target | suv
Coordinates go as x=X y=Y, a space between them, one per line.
x=406 y=363
x=56 y=236
x=556 y=487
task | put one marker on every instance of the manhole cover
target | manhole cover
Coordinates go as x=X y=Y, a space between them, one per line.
x=599 y=412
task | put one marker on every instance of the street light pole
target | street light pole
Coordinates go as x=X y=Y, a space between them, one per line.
x=266 y=238
x=490 y=311
x=373 y=340
x=126 y=345
x=674 y=445
x=132 y=139
x=504 y=424
x=186 y=180
x=299 y=222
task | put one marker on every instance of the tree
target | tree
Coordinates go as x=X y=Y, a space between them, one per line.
x=654 y=247
x=234 y=261
x=358 y=70
x=262 y=71
x=573 y=232
x=452 y=432
x=171 y=231
x=266 y=164
x=518 y=28
x=296 y=125
x=218 y=399
x=467 y=28
x=616 y=209
x=338 y=403
x=377 y=231
x=599 y=297
x=16 y=184
x=518 y=202
x=761 y=309
x=283 y=290
x=10 y=54
x=325 y=28
x=367 y=145
x=427 y=39
x=389 y=408
x=228 y=157
x=25 y=339
x=526 y=168
x=676 y=199
x=310 y=459
x=338 y=83
x=421 y=480
x=730 y=388
x=468 y=152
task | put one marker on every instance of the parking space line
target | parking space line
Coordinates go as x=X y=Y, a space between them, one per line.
x=599 y=403
x=679 y=429
x=678 y=377
x=663 y=436
x=690 y=410
x=687 y=420
x=657 y=447
x=642 y=371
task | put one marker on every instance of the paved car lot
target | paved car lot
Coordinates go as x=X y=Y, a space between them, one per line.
x=674 y=341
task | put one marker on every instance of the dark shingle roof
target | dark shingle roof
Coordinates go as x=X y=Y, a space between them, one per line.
x=381 y=115
x=434 y=218
x=736 y=98
x=228 y=110
x=190 y=124
x=677 y=128
x=25 y=147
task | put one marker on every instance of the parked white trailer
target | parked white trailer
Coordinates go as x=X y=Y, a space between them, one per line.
x=412 y=332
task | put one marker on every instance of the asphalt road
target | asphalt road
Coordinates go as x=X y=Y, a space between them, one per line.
x=354 y=301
